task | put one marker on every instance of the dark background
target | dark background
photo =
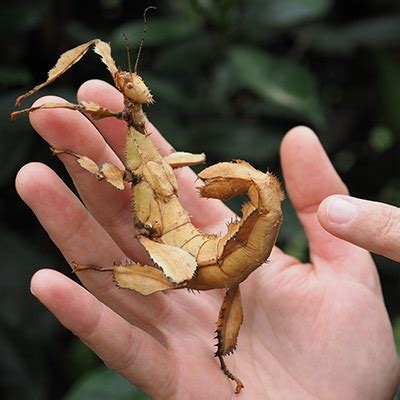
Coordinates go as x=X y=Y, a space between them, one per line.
x=230 y=77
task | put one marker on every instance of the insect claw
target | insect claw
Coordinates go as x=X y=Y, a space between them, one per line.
x=79 y=267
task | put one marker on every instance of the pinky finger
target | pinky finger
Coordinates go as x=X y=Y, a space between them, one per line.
x=126 y=349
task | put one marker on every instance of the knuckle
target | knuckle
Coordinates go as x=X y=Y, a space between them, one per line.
x=163 y=313
x=125 y=360
x=89 y=330
x=389 y=228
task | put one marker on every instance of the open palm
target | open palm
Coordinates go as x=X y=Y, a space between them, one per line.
x=311 y=331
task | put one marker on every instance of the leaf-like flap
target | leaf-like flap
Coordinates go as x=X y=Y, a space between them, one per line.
x=184 y=159
x=241 y=236
x=237 y=169
x=66 y=61
x=228 y=179
x=143 y=279
x=177 y=264
x=146 y=208
x=86 y=163
x=104 y=50
x=229 y=321
x=159 y=178
x=112 y=174
x=107 y=171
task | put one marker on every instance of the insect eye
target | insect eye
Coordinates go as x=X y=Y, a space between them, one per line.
x=129 y=85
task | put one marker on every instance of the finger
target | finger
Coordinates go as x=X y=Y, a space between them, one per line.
x=123 y=347
x=310 y=177
x=368 y=224
x=66 y=129
x=81 y=238
x=204 y=212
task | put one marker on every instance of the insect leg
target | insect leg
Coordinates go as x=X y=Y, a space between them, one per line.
x=143 y=279
x=71 y=57
x=229 y=321
x=105 y=171
x=88 y=107
x=184 y=159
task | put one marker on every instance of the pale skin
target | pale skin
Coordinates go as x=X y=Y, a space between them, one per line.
x=368 y=224
x=310 y=331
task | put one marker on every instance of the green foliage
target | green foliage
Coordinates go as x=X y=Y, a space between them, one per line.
x=164 y=31
x=230 y=77
x=396 y=334
x=373 y=32
x=281 y=84
x=25 y=330
x=103 y=384
x=286 y=13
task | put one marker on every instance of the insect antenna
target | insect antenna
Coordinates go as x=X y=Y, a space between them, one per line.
x=128 y=52
x=143 y=35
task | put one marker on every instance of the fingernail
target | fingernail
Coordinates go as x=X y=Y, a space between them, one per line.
x=340 y=211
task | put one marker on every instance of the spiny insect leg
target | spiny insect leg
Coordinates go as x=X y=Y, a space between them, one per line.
x=71 y=57
x=66 y=61
x=228 y=325
x=239 y=384
x=142 y=279
x=105 y=171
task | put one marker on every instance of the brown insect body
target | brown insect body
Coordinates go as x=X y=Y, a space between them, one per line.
x=183 y=256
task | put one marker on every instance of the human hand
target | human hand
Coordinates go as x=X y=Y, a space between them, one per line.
x=311 y=331
x=368 y=224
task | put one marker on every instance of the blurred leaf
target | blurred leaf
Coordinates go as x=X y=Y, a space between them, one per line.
x=185 y=60
x=15 y=297
x=164 y=90
x=80 y=32
x=176 y=133
x=245 y=141
x=14 y=75
x=17 y=136
x=284 y=13
x=79 y=359
x=111 y=4
x=20 y=16
x=381 y=138
x=391 y=192
x=22 y=363
x=292 y=234
x=344 y=160
x=388 y=80
x=16 y=378
x=220 y=15
x=103 y=384
x=373 y=32
x=278 y=81
x=396 y=334
x=160 y=31
x=14 y=149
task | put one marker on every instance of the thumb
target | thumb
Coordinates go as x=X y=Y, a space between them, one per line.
x=368 y=224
